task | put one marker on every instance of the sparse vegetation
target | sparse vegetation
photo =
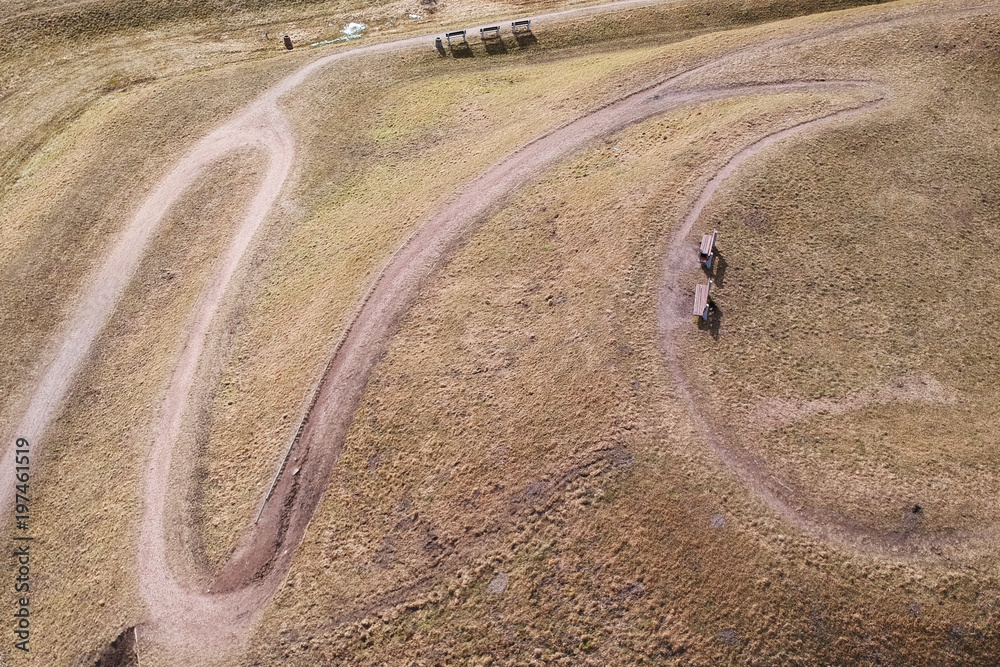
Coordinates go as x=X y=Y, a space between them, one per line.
x=523 y=421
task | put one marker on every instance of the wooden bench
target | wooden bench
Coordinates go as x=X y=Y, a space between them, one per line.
x=491 y=32
x=701 y=294
x=707 y=250
x=524 y=25
x=456 y=34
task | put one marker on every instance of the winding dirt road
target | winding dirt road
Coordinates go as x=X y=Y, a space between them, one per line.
x=178 y=612
x=181 y=616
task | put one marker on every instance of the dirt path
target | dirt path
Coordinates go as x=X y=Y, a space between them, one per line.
x=769 y=414
x=266 y=550
x=180 y=616
x=262 y=124
x=673 y=314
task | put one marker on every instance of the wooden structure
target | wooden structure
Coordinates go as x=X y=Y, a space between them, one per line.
x=701 y=300
x=707 y=250
x=288 y=42
x=459 y=37
x=524 y=25
x=490 y=32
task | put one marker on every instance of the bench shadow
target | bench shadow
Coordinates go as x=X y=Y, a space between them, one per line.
x=461 y=50
x=718 y=271
x=525 y=38
x=495 y=46
x=714 y=322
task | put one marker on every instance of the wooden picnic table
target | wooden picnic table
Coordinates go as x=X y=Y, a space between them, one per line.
x=707 y=249
x=701 y=297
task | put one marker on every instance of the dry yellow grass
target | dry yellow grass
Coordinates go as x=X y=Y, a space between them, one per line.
x=77 y=158
x=861 y=258
x=522 y=421
x=593 y=494
x=521 y=424
x=358 y=197
x=87 y=493
x=422 y=130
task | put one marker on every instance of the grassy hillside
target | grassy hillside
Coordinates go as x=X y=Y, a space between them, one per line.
x=522 y=483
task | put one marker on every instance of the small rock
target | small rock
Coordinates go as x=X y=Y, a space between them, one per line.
x=729 y=636
x=717 y=521
x=499 y=584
